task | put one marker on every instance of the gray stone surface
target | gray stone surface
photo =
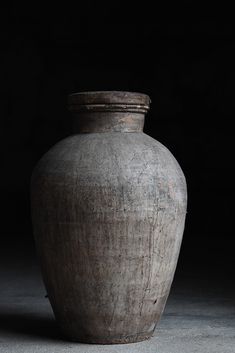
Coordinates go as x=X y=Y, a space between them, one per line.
x=199 y=317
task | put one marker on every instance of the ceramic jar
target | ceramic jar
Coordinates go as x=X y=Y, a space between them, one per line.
x=108 y=209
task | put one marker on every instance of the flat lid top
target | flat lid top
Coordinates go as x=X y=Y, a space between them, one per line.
x=109 y=97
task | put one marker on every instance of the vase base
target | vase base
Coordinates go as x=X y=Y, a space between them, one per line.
x=113 y=340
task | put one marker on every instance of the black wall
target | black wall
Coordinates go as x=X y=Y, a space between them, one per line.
x=180 y=56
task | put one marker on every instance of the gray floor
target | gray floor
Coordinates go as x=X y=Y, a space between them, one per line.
x=199 y=317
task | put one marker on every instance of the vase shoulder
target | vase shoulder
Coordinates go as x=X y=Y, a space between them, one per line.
x=114 y=160
x=111 y=149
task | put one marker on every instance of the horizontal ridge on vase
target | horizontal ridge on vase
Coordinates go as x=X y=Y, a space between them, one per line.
x=108 y=211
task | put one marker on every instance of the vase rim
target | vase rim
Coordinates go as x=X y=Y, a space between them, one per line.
x=109 y=100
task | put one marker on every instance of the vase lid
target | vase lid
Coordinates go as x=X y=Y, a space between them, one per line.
x=107 y=100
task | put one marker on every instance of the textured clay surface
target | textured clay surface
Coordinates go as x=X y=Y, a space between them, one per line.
x=108 y=211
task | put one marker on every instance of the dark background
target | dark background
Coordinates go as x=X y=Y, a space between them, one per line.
x=182 y=56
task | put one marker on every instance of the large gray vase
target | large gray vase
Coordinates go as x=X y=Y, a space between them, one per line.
x=108 y=208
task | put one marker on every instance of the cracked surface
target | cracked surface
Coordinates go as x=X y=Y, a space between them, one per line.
x=199 y=317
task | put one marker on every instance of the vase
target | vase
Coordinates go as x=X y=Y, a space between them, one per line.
x=108 y=211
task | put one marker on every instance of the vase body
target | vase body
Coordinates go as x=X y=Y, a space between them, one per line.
x=108 y=209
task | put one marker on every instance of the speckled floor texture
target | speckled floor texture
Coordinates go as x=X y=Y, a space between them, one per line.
x=199 y=317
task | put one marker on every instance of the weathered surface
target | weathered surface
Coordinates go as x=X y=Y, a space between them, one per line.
x=107 y=99
x=108 y=212
x=113 y=121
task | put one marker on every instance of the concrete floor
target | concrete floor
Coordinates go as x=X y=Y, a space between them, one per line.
x=199 y=317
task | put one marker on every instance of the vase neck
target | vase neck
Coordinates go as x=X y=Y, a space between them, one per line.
x=108 y=111
x=108 y=122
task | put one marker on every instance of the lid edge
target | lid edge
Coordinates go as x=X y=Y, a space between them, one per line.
x=108 y=97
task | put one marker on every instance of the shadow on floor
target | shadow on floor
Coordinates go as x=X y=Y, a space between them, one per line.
x=33 y=325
